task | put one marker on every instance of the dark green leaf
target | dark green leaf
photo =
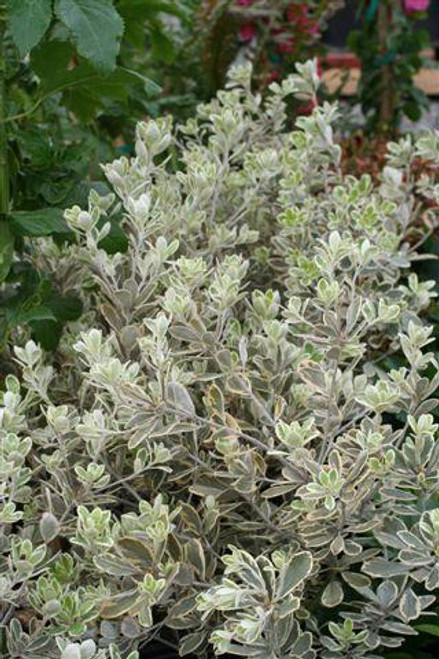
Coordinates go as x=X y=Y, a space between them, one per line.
x=42 y=222
x=150 y=86
x=6 y=249
x=162 y=46
x=35 y=314
x=28 y=21
x=412 y=111
x=64 y=307
x=50 y=61
x=46 y=332
x=140 y=10
x=428 y=629
x=35 y=148
x=84 y=89
x=116 y=241
x=96 y=28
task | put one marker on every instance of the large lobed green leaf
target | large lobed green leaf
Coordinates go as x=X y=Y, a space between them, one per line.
x=43 y=222
x=28 y=21
x=96 y=28
x=84 y=89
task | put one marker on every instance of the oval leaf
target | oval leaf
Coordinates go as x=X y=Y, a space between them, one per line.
x=293 y=573
x=96 y=28
x=332 y=595
x=180 y=398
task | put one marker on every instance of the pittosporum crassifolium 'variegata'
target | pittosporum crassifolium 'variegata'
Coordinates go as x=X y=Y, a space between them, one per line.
x=235 y=448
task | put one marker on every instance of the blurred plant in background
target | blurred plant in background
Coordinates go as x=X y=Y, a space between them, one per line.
x=272 y=34
x=389 y=46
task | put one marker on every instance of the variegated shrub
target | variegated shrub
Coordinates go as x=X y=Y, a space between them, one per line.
x=235 y=451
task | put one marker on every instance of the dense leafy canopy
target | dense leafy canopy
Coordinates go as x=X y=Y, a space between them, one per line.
x=233 y=450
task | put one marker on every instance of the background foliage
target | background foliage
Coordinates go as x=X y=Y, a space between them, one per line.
x=389 y=46
x=78 y=89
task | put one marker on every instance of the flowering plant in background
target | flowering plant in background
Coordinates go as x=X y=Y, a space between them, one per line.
x=416 y=5
x=300 y=25
x=272 y=34
x=282 y=32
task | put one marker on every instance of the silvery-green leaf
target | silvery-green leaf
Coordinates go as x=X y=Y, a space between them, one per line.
x=71 y=651
x=239 y=385
x=190 y=643
x=135 y=551
x=195 y=555
x=379 y=567
x=287 y=607
x=356 y=580
x=409 y=605
x=411 y=540
x=333 y=594
x=88 y=649
x=180 y=398
x=337 y=545
x=118 y=567
x=119 y=605
x=145 y=616
x=293 y=573
x=130 y=628
x=398 y=628
x=387 y=592
x=49 y=527
x=302 y=645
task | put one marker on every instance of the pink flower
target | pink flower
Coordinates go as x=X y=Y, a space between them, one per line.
x=286 y=46
x=244 y=3
x=416 y=5
x=247 y=32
